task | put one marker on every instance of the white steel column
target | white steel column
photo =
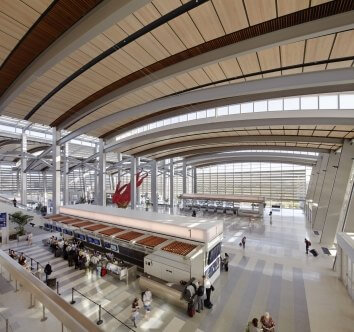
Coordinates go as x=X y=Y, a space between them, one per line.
x=66 y=175
x=23 y=167
x=330 y=174
x=319 y=185
x=154 y=201
x=137 y=188
x=133 y=183
x=311 y=187
x=184 y=182
x=96 y=175
x=171 y=187
x=56 y=171
x=338 y=193
x=45 y=190
x=119 y=158
x=101 y=174
x=164 y=178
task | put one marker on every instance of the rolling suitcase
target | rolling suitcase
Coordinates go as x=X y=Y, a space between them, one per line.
x=191 y=309
x=103 y=271
x=314 y=252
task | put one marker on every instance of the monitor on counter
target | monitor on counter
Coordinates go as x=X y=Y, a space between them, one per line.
x=114 y=247
x=107 y=245
x=67 y=232
x=81 y=237
x=58 y=229
x=93 y=240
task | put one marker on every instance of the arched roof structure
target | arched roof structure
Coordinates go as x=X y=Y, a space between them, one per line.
x=103 y=67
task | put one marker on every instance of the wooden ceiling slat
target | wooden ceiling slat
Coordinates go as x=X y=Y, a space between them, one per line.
x=53 y=23
x=286 y=7
x=260 y=11
x=292 y=54
x=343 y=45
x=269 y=58
x=249 y=63
x=318 y=48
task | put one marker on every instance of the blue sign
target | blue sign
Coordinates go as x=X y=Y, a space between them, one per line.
x=3 y=220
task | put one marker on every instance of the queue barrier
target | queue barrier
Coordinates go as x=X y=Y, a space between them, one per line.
x=100 y=308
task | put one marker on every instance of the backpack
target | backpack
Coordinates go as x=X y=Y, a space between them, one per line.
x=200 y=291
x=48 y=269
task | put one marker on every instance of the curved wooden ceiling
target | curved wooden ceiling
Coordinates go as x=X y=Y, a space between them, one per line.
x=29 y=27
x=208 y=26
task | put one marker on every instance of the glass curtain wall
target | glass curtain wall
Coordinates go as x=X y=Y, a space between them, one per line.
x=281 y=184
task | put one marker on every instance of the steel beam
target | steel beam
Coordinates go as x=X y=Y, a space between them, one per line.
x=171 y=186
x=66 y=174
x=133 y=183
x=154 y=200
x=23 y=169
x=101 y=174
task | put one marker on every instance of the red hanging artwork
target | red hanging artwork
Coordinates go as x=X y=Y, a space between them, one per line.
x=121 y=196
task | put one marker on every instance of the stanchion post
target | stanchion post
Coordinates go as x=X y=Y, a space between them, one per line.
x=58 y=288
x=16 y=287
x=7 y=325
x=44 y=318
x=31 y=301
x=72 y=296
x=100 y=321
x=31 y=262
x=37 y=266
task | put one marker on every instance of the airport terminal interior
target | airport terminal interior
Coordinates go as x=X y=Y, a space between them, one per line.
x=177 y=165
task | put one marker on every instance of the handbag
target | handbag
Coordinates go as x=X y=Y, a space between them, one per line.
x=212 y=288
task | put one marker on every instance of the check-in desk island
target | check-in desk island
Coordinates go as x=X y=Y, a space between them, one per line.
x=168 y=248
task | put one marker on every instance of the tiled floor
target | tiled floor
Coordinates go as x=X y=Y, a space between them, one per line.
x=272 y=274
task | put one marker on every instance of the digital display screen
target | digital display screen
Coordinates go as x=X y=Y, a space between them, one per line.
x=214 y=253
x=114 y=247
x=107 y=245
x=58 y=229
x=82 y=237
x=68 y=232
x=94 y=241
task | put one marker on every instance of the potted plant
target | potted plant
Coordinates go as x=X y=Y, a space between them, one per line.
x=21 y=220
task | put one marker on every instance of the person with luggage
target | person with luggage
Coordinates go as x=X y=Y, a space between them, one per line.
x=267 y=322
x=208 y=289
x=307 y=244
x=243 y=242
x=147 y=300
x=47 y=271
x=200 y=298
x=135 y=311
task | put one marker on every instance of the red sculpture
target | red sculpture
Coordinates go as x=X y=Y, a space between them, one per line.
x=121 y=196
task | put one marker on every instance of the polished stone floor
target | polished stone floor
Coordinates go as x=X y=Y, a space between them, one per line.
x=273 y=274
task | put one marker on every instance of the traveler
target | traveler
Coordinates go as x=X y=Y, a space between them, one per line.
x=14 y=201
x=307 y=244
x=253 y=326
x=270 y=216
x=47 y=271
x=135 y=311
x=208 y=289
x=147 y=300
x=194 y=213
x=243 y=242
x=267 y=322
x=200 y=297
x=226 y=262
x=29 y=239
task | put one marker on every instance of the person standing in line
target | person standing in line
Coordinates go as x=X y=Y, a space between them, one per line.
x=147 y=300
x=14 y=201
x=267 y=322
x=307 y=244
x=208 y=288
x=200 y=297
x=243 y=241
x=253 y=326
x=270 y=216
x=135 y=311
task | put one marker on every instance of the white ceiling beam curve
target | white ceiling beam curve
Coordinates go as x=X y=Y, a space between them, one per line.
x=190 y=153
x=225 y=156
x=98 y=20
x=304 y=83
x=282 y=140
x=312 y=29
x=233 y=122
x=288 y=160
